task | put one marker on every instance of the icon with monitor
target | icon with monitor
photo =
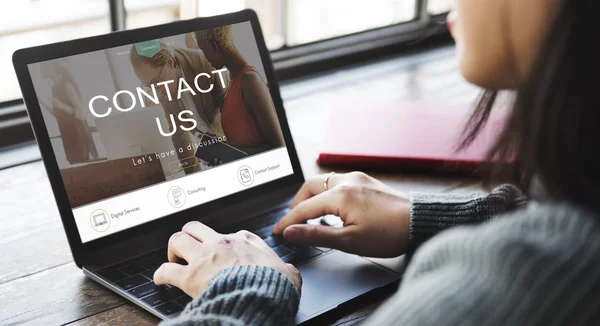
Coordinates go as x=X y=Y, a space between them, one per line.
x=100 y=220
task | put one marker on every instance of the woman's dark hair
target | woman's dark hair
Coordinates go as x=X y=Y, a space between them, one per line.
x=553 y=132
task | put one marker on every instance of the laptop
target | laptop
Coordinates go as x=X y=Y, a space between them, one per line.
x=120 y=240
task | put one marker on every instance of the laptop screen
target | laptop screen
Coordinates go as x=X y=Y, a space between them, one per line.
x=145 y=130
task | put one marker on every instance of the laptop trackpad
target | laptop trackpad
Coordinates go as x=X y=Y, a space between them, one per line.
x=337 y=278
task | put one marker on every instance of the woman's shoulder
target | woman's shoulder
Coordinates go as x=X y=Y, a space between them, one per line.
x=193 y=59
x=535 y=217
x=252 y=83
x=250 y=76
x=527 y=267
x=539 y=232
x=535 y=266
x=548 y=218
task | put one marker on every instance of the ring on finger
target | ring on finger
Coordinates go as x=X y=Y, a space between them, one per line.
x=326 y=181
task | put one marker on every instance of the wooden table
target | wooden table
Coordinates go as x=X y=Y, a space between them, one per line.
x=40 y=285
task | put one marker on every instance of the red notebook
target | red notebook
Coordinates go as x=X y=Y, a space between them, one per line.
x=407 y=136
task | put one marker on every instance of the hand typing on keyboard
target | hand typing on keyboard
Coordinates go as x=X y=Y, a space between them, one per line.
x=375 y=217
x=207 y=252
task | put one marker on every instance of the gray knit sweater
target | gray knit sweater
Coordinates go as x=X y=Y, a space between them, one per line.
x=538 y=265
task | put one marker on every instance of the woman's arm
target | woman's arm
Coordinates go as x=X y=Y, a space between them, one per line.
x=538 y=266
x=380 y=221
x=58 y=104
x=440 y=277
x=246 y=295
x=236 y=278
x=257 y=99
x=243 y=295
x=433 y=213
x=47 y=106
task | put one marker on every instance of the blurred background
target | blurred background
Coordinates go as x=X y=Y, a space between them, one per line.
x=306 y=38
x=286 y=23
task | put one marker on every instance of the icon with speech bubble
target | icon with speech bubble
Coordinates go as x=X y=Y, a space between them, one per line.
x=176 y=196
x=176 y=193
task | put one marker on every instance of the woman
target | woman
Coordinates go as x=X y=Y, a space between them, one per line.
x=66 y=107
x=538 y=264
x=173 y=64
x=248 y=115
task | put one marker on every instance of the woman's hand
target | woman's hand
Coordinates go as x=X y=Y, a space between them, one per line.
x=207 y=252
x=376 y=218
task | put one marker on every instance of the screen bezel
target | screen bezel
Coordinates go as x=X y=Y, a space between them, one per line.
x=23 y=57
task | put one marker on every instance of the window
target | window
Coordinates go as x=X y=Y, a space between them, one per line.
x=27 y=23
x=297 y=31
x=288 y=23
x=339 y=17
x=142 y=13
x=436 y=7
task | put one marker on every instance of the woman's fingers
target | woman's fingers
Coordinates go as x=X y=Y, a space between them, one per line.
x=305 y=192
x=317 y=235
x=182 y=245
x=170 y=273
x=317 y=206
x=200 y=232
x=314 y=186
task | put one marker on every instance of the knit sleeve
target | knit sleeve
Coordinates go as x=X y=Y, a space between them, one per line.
x=535 y=266
x=243 y=295
x=433 y=213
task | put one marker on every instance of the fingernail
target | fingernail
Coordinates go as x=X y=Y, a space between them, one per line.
x=156 y=272
x=174 y=236
x=290 y=231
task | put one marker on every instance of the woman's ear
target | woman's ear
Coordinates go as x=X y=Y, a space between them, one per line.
x=171 y=62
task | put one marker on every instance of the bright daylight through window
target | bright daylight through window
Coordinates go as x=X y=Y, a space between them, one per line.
x=285 y=23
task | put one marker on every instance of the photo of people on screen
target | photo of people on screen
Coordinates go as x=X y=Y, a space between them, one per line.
x=171 y=63
x=136 y=115
x=67 y=108
x=248 y=115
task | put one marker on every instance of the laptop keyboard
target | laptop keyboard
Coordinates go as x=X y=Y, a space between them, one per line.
x=135 y=275
x=291 y=253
